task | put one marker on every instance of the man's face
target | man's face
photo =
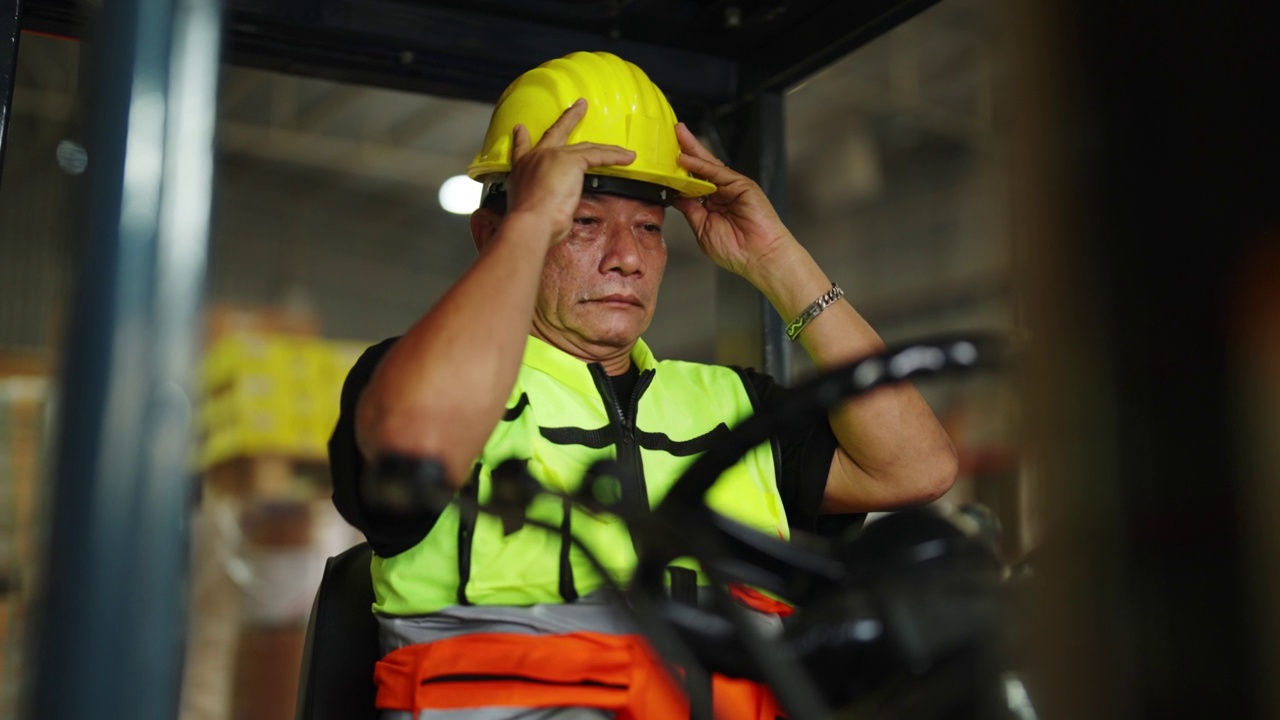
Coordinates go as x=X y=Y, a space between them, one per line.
x=600 y=284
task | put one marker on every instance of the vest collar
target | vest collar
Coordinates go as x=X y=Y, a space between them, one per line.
x=543 y=356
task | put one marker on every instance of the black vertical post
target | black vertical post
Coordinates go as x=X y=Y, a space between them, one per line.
x=751 y=139
x=10 y=29
x=109 y=631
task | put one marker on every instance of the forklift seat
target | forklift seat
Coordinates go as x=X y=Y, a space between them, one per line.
x=336 y=680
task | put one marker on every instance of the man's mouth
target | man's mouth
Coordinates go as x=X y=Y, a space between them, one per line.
x=618 y=299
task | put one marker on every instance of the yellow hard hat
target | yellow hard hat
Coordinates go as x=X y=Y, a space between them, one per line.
x=624 y=108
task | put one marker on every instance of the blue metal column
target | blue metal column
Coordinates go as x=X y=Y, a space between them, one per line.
x=109 y=637
x=10 y=14
x=752 y=140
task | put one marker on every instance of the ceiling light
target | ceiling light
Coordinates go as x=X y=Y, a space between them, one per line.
x=460 y=195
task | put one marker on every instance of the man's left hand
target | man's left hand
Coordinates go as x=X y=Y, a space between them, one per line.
x=736 y=226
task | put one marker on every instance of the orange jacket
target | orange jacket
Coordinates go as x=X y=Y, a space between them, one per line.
x=581 y=669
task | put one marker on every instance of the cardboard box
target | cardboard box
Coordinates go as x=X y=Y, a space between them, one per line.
x=271 y=394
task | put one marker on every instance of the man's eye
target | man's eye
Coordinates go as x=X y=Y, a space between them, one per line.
x=585 y=221
x=653 y=228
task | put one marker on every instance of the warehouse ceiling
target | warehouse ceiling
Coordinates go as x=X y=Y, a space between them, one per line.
x=938 y=74
x=883 y=122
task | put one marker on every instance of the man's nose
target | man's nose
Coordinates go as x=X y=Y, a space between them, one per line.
x=622 y=252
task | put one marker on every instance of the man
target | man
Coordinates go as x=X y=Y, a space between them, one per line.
x=535 y=354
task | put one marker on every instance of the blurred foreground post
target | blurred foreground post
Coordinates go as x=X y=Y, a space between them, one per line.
x=1145 y=179
x=109 y=633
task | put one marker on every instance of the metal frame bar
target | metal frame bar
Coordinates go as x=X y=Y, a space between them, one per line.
x=109 y=634
x=819 y=40
x=453 y=53
x=443 y=49
x=751 y=138
x=10 y=30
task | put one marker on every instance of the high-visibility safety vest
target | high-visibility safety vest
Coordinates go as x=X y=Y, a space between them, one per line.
x=477 y=574
x=562 y=417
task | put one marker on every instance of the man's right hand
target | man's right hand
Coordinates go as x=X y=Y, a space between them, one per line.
x=547 y=178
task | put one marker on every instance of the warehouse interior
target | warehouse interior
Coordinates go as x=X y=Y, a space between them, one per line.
x=912 y=177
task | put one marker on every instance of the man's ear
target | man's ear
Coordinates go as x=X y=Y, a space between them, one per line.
x=484 y=225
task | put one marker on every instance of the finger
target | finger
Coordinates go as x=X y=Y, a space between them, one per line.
x=597 y=155
x=559 y=131
x=713 y=171
x=694 y=212
x=519 y=142
x=690 y=144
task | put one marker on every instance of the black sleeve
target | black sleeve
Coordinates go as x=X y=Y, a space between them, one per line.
x=387 y=534
x=803 y=453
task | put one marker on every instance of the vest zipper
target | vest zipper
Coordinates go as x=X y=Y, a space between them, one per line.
x=634 y=490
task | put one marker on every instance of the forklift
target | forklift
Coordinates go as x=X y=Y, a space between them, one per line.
x=1149 y=183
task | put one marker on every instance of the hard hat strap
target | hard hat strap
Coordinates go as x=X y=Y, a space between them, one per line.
x=607 y=184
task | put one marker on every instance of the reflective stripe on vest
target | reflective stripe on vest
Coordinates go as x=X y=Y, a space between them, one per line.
x=598 y=612
x=560 y=421
x=611 y=672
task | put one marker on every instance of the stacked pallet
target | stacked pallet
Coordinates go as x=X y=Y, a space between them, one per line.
x=22 y=437
x=265 y=524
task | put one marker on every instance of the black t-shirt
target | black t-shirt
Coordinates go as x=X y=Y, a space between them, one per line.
x=806 y=450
